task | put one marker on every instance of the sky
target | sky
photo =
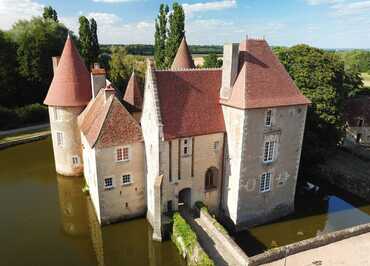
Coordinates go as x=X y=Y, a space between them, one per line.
x=320 y=23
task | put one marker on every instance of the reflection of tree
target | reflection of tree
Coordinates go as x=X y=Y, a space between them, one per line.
x=129 y=243
x=72 y=205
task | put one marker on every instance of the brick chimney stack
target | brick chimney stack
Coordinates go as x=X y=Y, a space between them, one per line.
x=98 y=79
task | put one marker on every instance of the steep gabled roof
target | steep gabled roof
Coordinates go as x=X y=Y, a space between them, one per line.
x=133 y=94
x=189 y=102
x=71 y=85
x=107 y=123
x=183 y=57
x=262 y=80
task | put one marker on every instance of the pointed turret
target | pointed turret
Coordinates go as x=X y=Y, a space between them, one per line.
x=71 y=85
x=183 y=57
x=133 y=94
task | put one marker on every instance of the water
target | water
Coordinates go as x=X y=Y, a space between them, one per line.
x=316 y=213
x=47 y=220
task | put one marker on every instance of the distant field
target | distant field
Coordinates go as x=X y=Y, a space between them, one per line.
x=366 y=78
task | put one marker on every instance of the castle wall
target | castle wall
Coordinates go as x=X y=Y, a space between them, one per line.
x=255 y=207
x=123 y=201
x=192 y=170
x=66 y=124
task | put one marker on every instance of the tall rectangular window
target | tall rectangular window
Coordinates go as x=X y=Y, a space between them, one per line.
x=60 y=139
x=186 y=147
x=269 y=151
x=268 y=118
x=75 y=160
x=265 y=182
x=122 y=154
x=57 y=115
x=108 y=183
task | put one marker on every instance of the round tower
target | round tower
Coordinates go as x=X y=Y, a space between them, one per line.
x=68 y=95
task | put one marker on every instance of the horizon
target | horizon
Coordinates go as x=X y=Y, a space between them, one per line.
x=327 y=24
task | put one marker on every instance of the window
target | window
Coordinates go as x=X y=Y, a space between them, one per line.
x=360 y=122
x=57 y=116
x=122 y=154
x=186 y=147
x=265 y=184
x=75 y=160
x=268 y=118
x=216 y=145
x=60 y=138
x=269 y=151
x=126 y=179
x=108 y=182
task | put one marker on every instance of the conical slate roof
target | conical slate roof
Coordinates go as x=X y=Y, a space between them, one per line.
x=133 y=93
x=262 y=80
x=71 y=85
x=183 y=57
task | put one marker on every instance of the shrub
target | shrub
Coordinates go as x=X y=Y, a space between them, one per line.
x=8 y=118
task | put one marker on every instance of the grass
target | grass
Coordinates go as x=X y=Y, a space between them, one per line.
x=366 y=78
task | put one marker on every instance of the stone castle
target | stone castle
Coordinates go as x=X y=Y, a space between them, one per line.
x=228 y=137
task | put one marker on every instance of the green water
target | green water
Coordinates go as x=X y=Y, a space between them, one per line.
x=47 y=220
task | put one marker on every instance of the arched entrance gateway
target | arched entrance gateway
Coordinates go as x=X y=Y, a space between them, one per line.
x=185 y=198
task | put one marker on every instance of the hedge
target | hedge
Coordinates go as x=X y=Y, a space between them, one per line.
x=23 y=116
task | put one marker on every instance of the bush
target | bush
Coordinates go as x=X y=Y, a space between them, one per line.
x=22 y=116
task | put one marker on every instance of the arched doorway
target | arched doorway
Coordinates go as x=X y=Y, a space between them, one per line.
x=210 y=179
x=185 y=198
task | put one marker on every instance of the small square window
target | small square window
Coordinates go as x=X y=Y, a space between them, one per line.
x=75 y=160
x=60 y=138
x=216 y=145
x=126 y=179
x=265 y=182
x=186 y=147
x=108 y=182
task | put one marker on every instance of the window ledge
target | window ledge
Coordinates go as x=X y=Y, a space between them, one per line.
x=127 y=184
x=210 y=189
x=272 y=130
x=109 y=188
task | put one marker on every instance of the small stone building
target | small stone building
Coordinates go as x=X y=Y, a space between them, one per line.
x=228 y=137
x=357 y=115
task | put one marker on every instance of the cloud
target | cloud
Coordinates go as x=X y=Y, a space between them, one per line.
x=11 y=11
x=320 y=2
x=208 y=6
x=113 y=1
x=353 y=8
x=113 y=30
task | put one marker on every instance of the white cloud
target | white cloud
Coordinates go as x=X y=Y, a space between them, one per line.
x=208 y=6
x=353 y=8
x=11 y=11
x=319 y=2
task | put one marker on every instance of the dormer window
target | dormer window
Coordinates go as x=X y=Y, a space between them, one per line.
x=268 y=118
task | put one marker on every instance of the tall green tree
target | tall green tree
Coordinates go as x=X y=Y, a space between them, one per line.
x=160 y=37
x=50 y=13
x=85 y=41
x=37 y=41
x=95 y=48
x=176 y=32
x=321 y=77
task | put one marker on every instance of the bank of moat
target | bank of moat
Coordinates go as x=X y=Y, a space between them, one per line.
x=228 y=137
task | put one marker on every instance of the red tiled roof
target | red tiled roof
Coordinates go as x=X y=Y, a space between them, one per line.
x=357 y=108
x=262 y=80
x=71 y=85
x=107 y=123
x=189 y=102
x=133 y=93
x=183 y=57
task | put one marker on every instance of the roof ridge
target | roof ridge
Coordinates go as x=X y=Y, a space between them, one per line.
x=188 y=69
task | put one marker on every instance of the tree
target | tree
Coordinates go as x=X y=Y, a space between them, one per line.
x=176 y=32
x=211 y=61
x=85 y=41
x=8 y=71
x=122 y=65
x=37 y=41
x=160 y=37
x=321 y=77
x=95 y=49
x=50 y=13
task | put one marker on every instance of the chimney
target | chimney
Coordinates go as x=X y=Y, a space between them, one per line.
x=108 y=91
x=55 y=60
x=229 y=69
x=98 y=79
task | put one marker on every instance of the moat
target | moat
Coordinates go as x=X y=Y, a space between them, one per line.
x=48 y=220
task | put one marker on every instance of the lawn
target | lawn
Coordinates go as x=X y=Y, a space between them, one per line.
x=366 y=78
